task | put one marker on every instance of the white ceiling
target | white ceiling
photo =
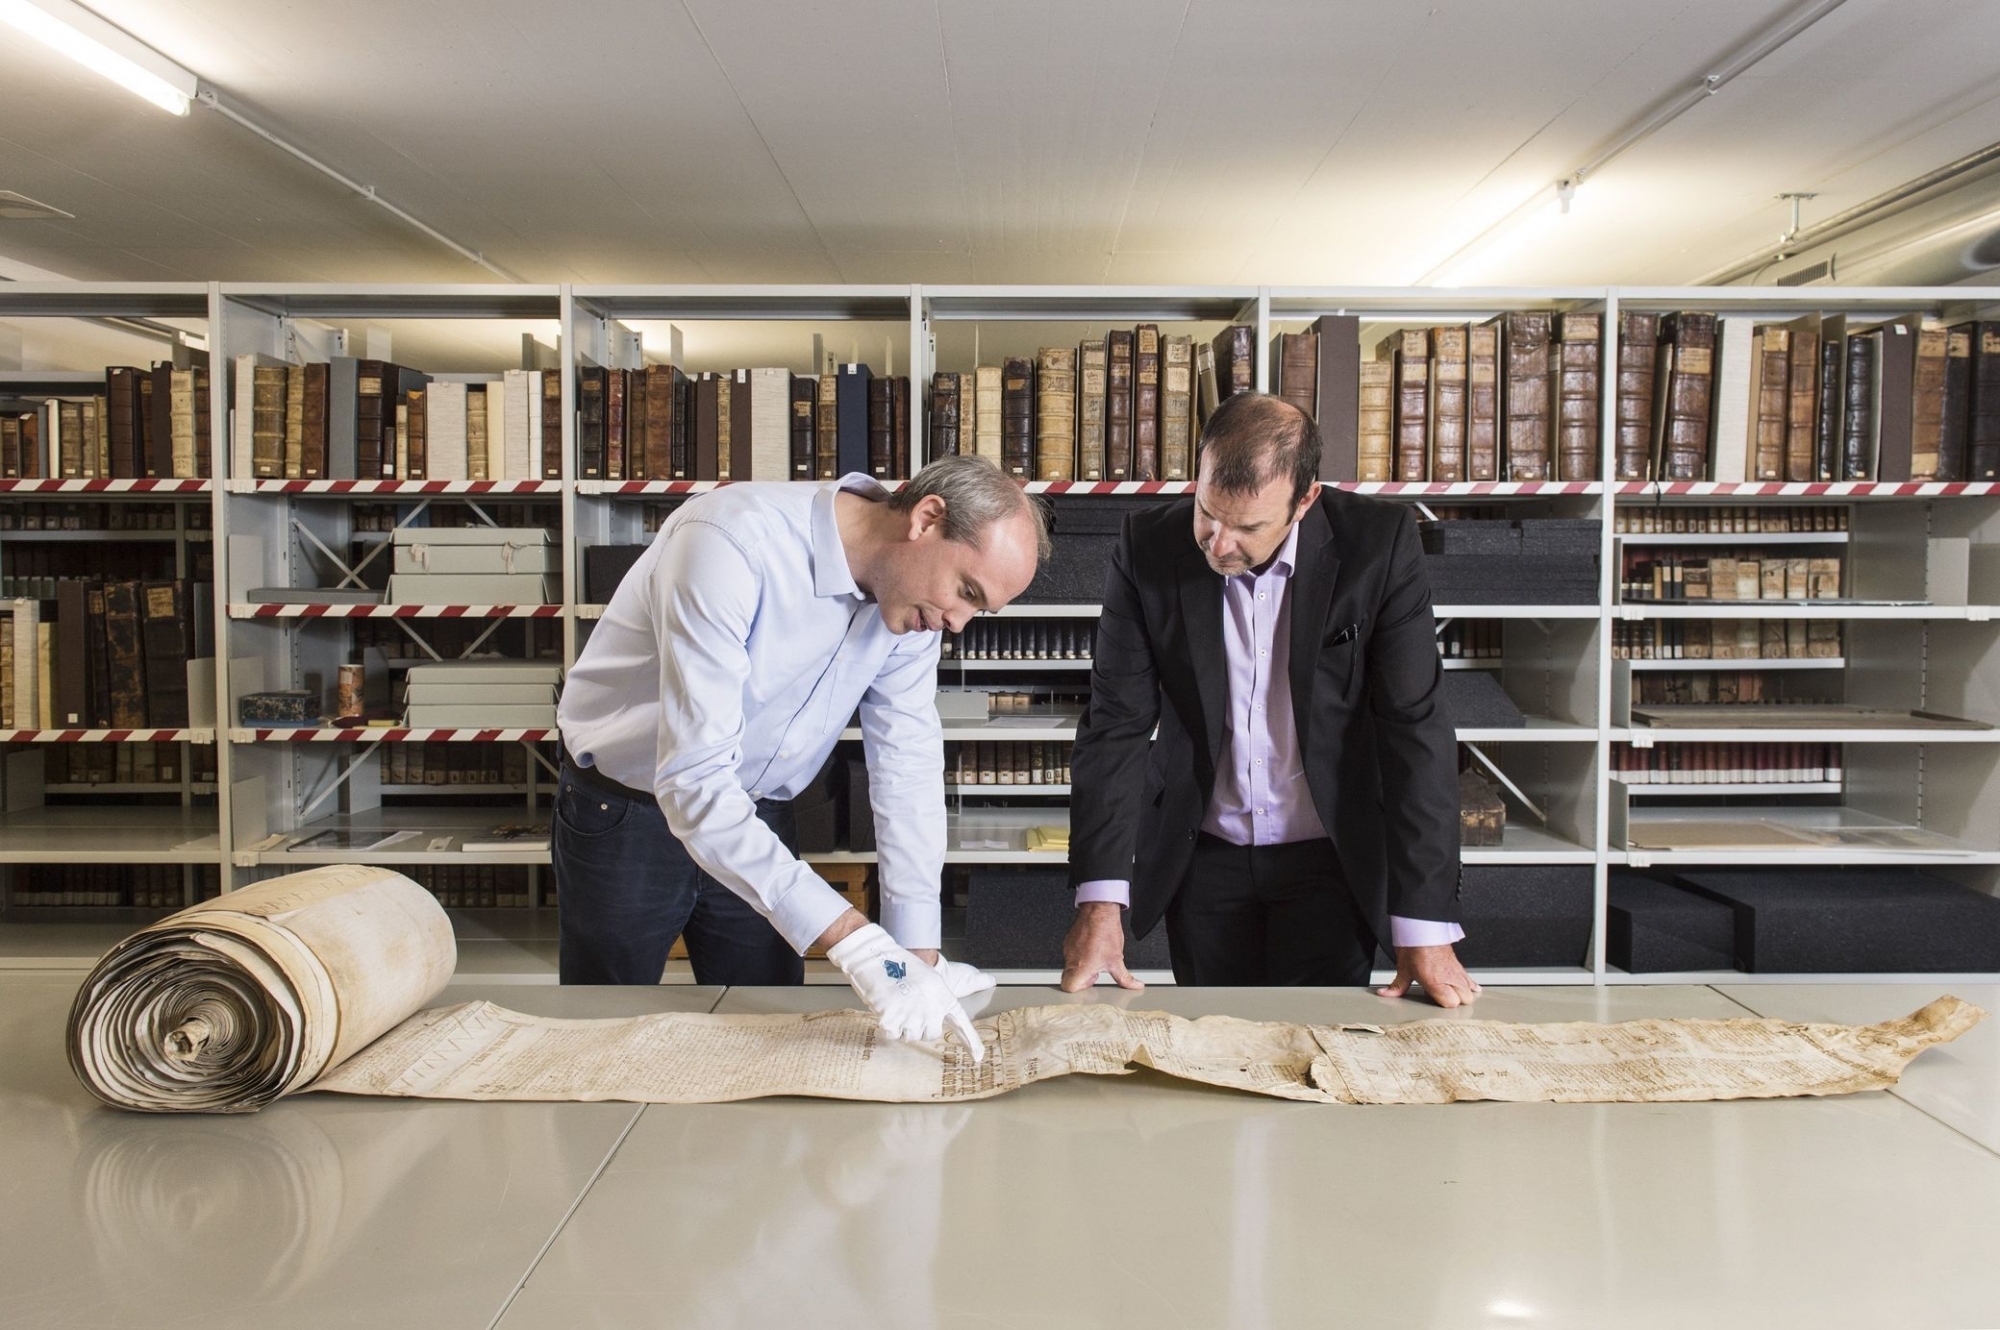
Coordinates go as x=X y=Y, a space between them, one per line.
x=1196 y=141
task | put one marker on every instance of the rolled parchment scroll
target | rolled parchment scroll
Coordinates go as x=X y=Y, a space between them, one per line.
x=229 y=1004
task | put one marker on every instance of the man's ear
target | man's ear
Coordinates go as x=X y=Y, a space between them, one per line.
x=926 y=515
x=1312 y=497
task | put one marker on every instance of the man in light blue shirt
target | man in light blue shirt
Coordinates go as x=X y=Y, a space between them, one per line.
x=711 y=693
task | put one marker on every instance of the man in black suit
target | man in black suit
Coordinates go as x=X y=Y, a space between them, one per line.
x=1300 y=800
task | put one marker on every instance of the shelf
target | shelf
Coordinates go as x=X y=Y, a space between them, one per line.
x=984 y=791
x=588 y=611
x=1539 y=729
x=1649 y=736
x=85 y=300
x=1469 y=489
x=1735 y=663
x=1525 y=843
x=1515 y=611
x=991 y=666
x=1926 y=847
x=387 y=300
x=1471 y=663
x=202 y=735
x=109 y=835
x=13 y=535
x=130 y=787
x=335 y=489
x=1018 y=610
x=238 y=610
x=512 y=791
x=1737 y=538
x=330 y=734
x=1631 y=610
x=815 y=304
x=1648 y=790
x=448 y=825
x=105 y=488
x=1092 y=304
x=1773 y=489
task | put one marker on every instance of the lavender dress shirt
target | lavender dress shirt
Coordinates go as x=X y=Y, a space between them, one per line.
x=1260 y=795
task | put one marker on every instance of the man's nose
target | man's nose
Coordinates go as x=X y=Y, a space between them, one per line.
x=957 y=619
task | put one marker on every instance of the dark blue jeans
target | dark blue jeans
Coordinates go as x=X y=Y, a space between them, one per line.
x=626 y=888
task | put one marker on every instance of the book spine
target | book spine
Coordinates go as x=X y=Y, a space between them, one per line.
x=1525 y=387
x=1118 y=406
x=1827 y=437
x=804 y=395
x=853 y=418
x=1017 y=418
x=826 y=428
x=1578 y=382
x=1982 y=449
x=1374 y=433
x=313 y=426
x=1482 y=402
x=1412 y=359
x=1858 y=417
x=986 y=394
x=267 y=429
x=551 y=394
x=1638 y=345
x=591 y=392
x=881 y=429
x=1449 y=383
x=1684 y=439
x=1802 y=408
x=1092 y=377
x=1055 y=413
x=1146 y=402
x=1338 y=380
x=1177 y=408
x=944 y=414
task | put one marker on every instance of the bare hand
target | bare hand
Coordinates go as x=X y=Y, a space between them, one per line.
x=1096 y=945
x=1437 y=969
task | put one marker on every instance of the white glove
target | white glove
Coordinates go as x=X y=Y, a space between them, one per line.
x=910 y=999
x=965 y=980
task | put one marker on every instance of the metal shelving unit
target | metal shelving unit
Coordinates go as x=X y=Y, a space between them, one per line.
x=1556 y=663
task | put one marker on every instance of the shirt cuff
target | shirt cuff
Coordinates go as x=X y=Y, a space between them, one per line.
x=1422 y=932
x=915 y=925
x=1105 y=889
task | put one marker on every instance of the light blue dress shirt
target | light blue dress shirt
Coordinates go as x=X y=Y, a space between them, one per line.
x=723 y=671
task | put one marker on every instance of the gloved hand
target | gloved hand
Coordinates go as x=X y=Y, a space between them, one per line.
x=911 y=999
x=965 y=980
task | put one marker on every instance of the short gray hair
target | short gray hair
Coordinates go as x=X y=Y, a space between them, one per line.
x=976 y=494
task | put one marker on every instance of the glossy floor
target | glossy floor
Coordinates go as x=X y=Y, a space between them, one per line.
x=1080 y=1202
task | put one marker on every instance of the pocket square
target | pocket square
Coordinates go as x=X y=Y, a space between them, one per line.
x=1347 y=634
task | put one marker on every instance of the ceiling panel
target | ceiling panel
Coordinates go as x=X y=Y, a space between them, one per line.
x=1282 y=141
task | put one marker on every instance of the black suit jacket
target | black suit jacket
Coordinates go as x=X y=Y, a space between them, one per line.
x=1380 y=755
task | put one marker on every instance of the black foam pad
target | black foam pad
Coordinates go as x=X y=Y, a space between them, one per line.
x=1653 y=927
x=1526 y=914
x=1015 y=919
x=1837 y=920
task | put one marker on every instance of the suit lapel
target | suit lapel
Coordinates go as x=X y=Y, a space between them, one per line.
x=1201 y=610
x=1315 y=569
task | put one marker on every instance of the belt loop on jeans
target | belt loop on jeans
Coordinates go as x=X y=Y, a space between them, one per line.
x=592 y=778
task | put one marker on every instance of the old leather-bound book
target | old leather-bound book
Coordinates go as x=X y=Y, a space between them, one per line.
x=204 y=449
x=1802 y=401
x=617 y=389
x=661 y=382
x=369 y=376
x=416 y=441
x=267 y=422
x=899 y=426
x=1374 y=433
x=1207 y=389
x=72 y=679
x=1525 y=386
x=1482 y=402
x=1118 y=405
x=1146 y=402
x=1770 y=380
x=1578 y=377
x=1092 y=377
x=125 y=655
x=552 y=413
x=159 y=395
x=1236 y=359
x=1409 y=351
x=1895 y=396
x=69 y=441
x=1055 y=413
x=881 y=429
x=1827 y=434
x=1638 y=345
x=1957 y=426
x=634 y=458
x=986 y=412
x=475 y=433
x=97 y=653
x=1687 y=349
x=1295 y=360
x=1017 y=417
x=313 y=443
x=593 y=421
x=725 y=426
x=944 y=414
x=295 y=421
x=166 y=634
x=826 y=427
x=1449 y=373
x=742 y=447
x=185 y=414
x=1927 y=404
x=1177 y=407
x=805 y=395
x=1858 y=426
x=121 y=397
x=705 y=425
x=1336 y=381
x=1982 y=443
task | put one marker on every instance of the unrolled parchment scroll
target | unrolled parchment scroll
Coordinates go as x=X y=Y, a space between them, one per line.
x=318 y=981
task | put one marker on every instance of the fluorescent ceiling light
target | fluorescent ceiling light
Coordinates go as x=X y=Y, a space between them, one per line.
x=1489 y=254
x=97 y=45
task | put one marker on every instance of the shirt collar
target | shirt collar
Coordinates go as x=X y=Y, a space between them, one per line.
x=831 y=574
x=1282 y=562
